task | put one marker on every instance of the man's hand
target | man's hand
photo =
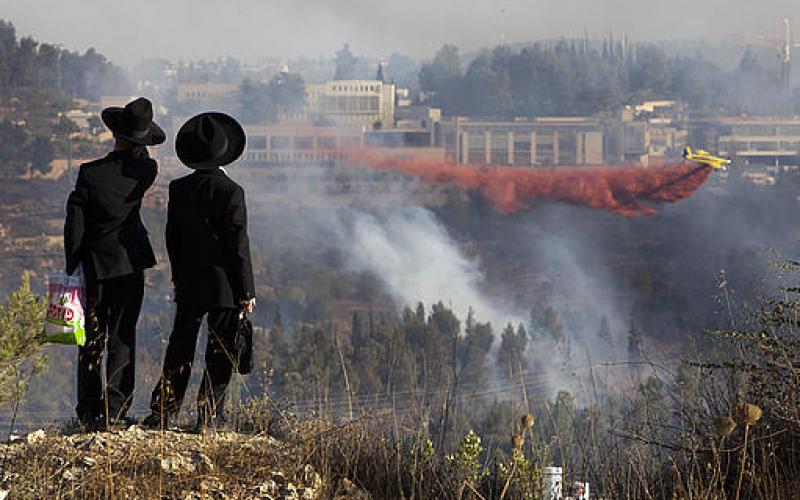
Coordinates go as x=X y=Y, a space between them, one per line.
x=249 y=305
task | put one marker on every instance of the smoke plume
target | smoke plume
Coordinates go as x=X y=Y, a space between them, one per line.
x=628 y=191
x=415 y=259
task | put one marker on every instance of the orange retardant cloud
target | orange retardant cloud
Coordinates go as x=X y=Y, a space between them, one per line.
x=629 y=191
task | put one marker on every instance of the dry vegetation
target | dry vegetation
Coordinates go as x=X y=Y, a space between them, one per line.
x=724 y=424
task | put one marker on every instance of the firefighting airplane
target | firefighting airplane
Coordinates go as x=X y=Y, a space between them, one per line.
x=705 y=158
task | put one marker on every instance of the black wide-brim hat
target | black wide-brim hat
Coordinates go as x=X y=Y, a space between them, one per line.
x=134 y=123
x=210 y=140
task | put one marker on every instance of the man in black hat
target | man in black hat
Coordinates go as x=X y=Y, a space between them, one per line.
x=104 y=233
x=209 y=252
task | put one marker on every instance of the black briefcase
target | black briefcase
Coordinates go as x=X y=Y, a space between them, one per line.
x=243 y=345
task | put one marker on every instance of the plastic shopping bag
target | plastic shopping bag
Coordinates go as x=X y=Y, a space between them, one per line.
x=65 y=309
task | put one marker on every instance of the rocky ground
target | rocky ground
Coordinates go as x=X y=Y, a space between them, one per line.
x=138 y=463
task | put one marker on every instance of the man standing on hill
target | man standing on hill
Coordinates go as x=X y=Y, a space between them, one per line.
x=104 y=233
x=209 y=252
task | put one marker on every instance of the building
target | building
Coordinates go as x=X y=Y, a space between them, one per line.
x=289 y=144
x=417 y=116
x=537 y=142
x=769 y=141
x=361 y=103
x=106 y=101
x=407 y=143
x=84 y=119
x=645 y=132
x=206 y=92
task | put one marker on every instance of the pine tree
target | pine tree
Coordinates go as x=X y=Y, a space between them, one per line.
x=635 y=351
x=21 y=323
x=635 y=345
x=275 y=363
x=605 y=331
x=511 y=356
x=345 y=64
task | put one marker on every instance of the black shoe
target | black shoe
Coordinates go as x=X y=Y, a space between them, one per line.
x=91 y=423
x=205 y=425
x=117 y=424
x=155 y=421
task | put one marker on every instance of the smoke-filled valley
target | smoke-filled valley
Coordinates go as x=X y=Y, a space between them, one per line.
x=468 y=269
x=577 y=280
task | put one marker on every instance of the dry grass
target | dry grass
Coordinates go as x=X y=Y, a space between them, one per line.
x=136 y=463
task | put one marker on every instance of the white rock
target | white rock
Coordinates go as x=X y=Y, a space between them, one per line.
x=311 y=479
x=176 y=464
x=268 y=488
x=36 y=437
x=202 y=463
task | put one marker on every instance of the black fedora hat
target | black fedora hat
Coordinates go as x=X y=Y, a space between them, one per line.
x=210 y=140
x=134 y=122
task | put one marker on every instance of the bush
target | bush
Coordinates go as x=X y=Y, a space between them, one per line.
x=21 y=323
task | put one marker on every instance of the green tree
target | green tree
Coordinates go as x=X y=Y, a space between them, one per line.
x=402 y=70
x=47 y=62
x=441 y=78
x=64 y=127
x=8 y=46
x=651 y=73
x=276 y=354
x=486 y=86
x=345 y=64
x=473 y=349
x=255 y=104
x=287 y=92
x=511 y=356
x=25 y=62
x=604 y=334
x=42 y=152
x=14 y=156
x=21 y=324
x=95 y=124
x=635 y=343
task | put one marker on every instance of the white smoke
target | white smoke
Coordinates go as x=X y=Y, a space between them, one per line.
x=415 y=259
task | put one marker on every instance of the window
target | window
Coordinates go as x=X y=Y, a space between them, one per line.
x=521 y=144
x=279 y=142
x=257 y=142
x=303 y=142
x=326 y=142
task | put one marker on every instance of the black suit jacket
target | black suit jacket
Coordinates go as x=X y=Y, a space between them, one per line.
x=104 y=228
x=207 y=241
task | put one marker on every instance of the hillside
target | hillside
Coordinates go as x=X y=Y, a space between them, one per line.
x=137 y=463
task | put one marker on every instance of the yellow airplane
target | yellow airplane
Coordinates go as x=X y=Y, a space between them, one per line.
x=705 y=158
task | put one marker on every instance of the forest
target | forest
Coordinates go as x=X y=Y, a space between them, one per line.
x=38 y=82
x=575 y=78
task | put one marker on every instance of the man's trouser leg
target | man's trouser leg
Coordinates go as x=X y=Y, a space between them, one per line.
x=125 y=296
x=90 y=355
x=222 y=324
x=168 y=394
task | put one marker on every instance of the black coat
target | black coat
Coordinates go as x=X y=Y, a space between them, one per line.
x=207 y=241
x=104 y=228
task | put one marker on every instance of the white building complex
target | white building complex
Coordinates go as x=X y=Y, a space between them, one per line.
x=365 y=103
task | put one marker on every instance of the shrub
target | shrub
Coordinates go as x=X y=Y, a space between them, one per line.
x=21 y=323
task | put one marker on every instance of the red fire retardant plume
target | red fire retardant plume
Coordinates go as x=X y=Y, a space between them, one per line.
x=628 y=191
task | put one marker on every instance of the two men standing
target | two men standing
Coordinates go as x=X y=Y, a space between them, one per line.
x=209 y=253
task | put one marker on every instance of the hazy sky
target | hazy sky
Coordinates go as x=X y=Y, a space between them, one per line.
x=128 y=31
